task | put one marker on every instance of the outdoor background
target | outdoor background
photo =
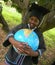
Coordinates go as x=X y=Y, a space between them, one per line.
x=13 y=18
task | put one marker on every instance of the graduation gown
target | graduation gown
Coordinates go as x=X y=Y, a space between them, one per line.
x=13 y=57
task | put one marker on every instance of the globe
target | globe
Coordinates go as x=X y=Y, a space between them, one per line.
x=29 y=37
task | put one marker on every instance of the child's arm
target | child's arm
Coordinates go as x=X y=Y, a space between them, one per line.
x=14 y=42
x=20 y=47
x=11 y=34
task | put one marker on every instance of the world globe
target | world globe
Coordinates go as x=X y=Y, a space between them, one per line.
x=29 y=37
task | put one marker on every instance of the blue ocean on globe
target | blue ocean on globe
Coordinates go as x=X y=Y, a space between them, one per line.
x=28 y=36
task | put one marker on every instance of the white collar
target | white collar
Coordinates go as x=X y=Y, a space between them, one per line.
x=33 y=28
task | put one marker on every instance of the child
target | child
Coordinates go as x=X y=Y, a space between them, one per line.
x=14 y=58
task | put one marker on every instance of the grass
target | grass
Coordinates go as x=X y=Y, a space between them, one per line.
x=50 y=37
x=11 y=16
x=49 y=55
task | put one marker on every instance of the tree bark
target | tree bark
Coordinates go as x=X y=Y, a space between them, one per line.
x=2 y=20
x=48 y=22
x=23 y=4
x=4 y=23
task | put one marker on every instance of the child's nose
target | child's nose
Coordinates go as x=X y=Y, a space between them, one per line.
x=33 y=21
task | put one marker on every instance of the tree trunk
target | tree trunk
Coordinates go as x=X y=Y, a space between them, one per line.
x=3 y=22
x=48 y=22
x=23 y=4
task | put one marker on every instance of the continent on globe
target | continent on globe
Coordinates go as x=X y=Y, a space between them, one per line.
x=28 y=36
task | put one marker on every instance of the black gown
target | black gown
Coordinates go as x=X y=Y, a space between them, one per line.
x=13 y=58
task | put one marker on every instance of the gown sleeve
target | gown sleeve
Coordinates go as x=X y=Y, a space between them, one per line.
x=11 y=34
x=41 y=49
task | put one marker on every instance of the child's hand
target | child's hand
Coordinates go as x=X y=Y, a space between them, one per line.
x=25 y=49
x=22 y=47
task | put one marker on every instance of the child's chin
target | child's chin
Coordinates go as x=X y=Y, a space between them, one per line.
x=31 y=26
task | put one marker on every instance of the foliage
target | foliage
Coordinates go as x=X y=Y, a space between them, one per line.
x=42 y=2
x=51 y=35
x=46 y=3
x=31 y=1
x=13 y=16
x=17 y=7
x=5 y=0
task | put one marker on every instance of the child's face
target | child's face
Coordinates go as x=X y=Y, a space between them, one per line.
x=33 y=21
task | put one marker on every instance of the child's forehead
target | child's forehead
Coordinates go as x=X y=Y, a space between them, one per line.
x=34 y=17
